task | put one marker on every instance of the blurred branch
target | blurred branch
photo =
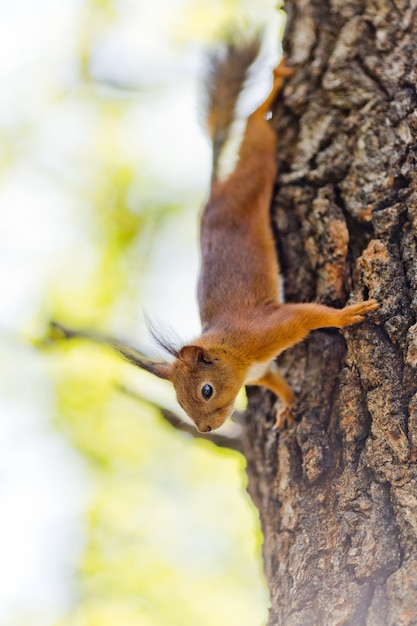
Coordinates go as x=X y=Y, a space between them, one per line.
x=230 y=440
x=129 y=353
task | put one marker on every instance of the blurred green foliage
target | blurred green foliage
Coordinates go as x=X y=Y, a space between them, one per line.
x=171 y=538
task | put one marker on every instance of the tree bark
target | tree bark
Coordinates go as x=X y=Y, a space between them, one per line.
x=337 y=492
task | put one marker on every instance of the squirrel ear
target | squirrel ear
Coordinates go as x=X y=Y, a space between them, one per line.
x=192 y=355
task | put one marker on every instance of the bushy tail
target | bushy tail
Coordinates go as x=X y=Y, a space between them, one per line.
x=227 y=71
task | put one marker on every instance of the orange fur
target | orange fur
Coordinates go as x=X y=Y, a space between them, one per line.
x=244 y=326
x=244 y=323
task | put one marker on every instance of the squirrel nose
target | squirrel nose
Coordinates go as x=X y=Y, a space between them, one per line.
x=204 y=429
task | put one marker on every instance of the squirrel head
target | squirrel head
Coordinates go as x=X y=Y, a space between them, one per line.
x=206 y=383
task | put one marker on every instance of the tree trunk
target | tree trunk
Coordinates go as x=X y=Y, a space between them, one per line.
x=337 y=493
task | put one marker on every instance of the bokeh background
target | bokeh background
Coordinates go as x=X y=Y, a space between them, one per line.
x=107 y=515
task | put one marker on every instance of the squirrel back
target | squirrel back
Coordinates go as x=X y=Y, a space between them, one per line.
x=226 y=73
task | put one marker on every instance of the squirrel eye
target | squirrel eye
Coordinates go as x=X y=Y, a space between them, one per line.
x=207 y=391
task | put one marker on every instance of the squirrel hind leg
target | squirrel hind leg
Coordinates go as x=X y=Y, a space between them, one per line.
x=275 y=381
x=280 y=72
x=284 y=418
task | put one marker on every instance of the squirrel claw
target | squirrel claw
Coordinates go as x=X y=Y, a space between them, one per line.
x=284 y=418
x=355 y=313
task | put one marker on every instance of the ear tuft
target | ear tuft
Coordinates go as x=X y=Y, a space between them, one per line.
x=163 y=337
x=162 y=370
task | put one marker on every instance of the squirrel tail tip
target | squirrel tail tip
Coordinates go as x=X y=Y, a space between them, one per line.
x=225 y=77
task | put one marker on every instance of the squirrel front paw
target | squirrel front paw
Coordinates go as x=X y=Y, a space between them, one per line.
x=355 y=313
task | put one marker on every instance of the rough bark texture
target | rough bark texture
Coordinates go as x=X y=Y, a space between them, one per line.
x=337 y=493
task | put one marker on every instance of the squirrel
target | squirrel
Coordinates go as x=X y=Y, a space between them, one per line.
x=245 y=324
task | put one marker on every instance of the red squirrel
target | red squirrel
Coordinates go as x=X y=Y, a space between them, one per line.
x=245 y=325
